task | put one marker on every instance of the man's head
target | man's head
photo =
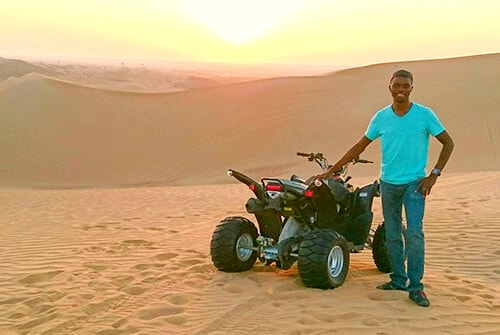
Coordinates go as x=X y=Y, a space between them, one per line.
x=401 y=85
x=402 y=73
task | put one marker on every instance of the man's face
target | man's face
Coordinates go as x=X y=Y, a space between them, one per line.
x=400 y=88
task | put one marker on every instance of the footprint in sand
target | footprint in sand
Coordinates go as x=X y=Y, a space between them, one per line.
x=154 y=229
x=306 y=321
x=462 y=290
x=16 y=316
x=178 y=299
x=134 y=290
x=177 y=320
x=136 y=243
x=384 y=296
x=98 y=307
x=12 y=301
x=165 y=257
x=39 y=277
x=364 y=273
x=132 y=219
x=34 y=302
x=151 y=313
x=478 y=286
x=120 y=323
x=121 y=281
x=193 y=261
x=462 y=298
x=95 y=267
x=148 y=266
x=370 y=322
x=276 y=304
x=92 y=249
x=100 y=225
x=132 y=244
x=232 y=288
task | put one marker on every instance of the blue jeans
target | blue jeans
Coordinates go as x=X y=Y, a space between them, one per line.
x=394 y=197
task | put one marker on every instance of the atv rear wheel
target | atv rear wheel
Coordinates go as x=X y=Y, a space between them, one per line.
x=231 y=247
x=323 y=259
x=379 y=251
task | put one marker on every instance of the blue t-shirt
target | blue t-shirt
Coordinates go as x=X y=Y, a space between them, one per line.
x=404 y=141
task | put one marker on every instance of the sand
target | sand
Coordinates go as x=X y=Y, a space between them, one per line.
x=109 y=198
x=136 y=261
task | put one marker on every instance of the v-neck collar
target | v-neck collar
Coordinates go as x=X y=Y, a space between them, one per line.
x=401 y=116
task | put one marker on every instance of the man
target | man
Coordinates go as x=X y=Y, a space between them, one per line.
x=404 y=128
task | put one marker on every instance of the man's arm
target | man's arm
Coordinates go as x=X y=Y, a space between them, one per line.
x=349 y=156
x=427 y=183
x=448 y=145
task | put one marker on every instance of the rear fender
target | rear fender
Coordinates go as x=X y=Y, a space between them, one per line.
x=255 y=186
x=269 y=221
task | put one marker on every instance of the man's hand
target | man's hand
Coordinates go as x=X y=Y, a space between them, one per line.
x=310 y=180
x=425 y=185
x=322 y=176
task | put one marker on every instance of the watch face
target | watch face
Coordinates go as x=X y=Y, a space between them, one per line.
x=436 y=171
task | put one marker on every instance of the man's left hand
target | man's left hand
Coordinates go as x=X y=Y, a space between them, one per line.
x=425 y=185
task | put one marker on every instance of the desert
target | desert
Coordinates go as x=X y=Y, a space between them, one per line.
x=113 y=178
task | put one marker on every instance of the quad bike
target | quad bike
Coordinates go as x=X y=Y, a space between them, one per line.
x=316 y=223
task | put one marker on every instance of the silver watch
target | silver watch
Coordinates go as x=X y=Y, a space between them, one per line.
x=436 y=171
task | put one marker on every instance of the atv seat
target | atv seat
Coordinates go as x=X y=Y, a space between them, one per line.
x=297 y=179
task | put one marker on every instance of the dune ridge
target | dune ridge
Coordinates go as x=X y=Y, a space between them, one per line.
x=67 y=135
x=59 y=134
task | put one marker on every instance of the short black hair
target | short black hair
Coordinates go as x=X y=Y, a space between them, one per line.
x=402 y=73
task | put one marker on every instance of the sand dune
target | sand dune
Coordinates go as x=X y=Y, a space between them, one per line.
x=136 y=261
x=18 y=68
x=140 y=78
x=58 y=134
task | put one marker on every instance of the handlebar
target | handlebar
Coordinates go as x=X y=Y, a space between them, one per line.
x=312 y=156
x=363 y=161
x=304 y=154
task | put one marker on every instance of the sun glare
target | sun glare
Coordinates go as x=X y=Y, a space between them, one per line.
x=240 y=21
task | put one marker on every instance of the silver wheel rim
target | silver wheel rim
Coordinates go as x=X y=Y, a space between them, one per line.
x=244 y=247
x=335 y=261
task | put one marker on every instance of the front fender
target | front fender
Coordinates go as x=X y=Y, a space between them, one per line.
x=325 y=204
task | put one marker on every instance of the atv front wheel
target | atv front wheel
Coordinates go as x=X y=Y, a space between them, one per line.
x=379 y=251
x=231 y=247
x=323 y=259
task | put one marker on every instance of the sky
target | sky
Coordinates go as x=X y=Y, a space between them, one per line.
x=348 y=33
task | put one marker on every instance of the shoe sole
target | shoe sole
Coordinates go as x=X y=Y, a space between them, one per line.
x=423 y=304
x=391 y=288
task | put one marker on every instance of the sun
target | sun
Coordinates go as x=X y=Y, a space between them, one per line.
x=240 y=21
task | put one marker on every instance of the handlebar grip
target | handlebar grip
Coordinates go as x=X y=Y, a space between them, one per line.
x=303 y=154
